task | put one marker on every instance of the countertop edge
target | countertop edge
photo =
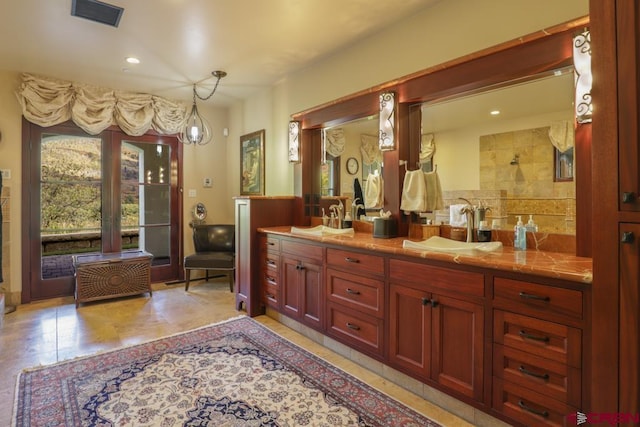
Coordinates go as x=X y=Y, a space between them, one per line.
x=532 y=262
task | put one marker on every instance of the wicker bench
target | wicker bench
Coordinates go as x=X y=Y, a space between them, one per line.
x=111 y=275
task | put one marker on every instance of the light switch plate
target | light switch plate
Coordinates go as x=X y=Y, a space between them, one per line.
x=207 y=182
x=6 y=173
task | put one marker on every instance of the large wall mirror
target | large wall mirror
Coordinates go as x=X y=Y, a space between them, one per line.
x=508 y=161
x=511 y=149
x=352 y=167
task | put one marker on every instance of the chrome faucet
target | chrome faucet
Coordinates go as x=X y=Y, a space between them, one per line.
x=355 y=207
x=468 y=210
x=339 y=212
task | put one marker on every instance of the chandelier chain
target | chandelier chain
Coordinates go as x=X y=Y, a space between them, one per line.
x=195 y=93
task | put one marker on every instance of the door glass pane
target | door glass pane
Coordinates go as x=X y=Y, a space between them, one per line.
x=70 y=194
x=146 y=199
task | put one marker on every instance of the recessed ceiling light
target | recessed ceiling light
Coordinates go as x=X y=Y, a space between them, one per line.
x=495 y=112
x=132 y=60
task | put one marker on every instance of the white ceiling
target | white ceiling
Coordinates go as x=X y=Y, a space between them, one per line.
x=258 y=42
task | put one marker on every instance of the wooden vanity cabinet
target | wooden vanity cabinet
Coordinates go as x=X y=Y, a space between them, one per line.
x=355 y=300
x=538 y=356
x=302 y=278
x=510 y=344
x=436 y=325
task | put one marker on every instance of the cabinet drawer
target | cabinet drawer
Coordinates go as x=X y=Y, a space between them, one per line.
x=270 y=243
x=271 y=295
x=356 y=329
x=271 y=263
x=529 y=407
x=547 y=377
x=357 y=292
x=540 y=298
x=356 y=262
x=445 y=278
x=302 y=249
x=553 y=341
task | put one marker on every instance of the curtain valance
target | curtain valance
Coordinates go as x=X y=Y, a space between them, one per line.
x=370 y=149
x=47 y=102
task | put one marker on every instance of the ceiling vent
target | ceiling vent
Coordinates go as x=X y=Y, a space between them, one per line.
x=97 y=11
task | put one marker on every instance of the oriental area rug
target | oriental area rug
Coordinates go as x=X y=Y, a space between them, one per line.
x=234 y=373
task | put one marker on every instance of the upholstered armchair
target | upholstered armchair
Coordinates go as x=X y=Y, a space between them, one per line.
x=215 y=251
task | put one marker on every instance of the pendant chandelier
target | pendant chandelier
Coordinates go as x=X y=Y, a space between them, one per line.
x=196 y=130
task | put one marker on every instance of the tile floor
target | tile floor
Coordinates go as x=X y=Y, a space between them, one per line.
x=50 y=331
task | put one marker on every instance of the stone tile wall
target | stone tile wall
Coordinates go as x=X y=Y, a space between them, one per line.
x=529 y=184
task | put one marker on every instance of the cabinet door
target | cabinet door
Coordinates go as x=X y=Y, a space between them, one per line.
x=290 y=276
x=629 y=105
x=302 y=290
x=457 y=346
x=312 y=294
x=630 y=328
x=410 y=330
x=243 y=254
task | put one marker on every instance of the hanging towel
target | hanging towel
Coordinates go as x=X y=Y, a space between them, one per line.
x=414 y=192
x=434 y=200
x=373 y=192
x=357 y=194
x=456 y=217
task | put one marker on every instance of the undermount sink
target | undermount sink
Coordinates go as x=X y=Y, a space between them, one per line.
x=322 y=230
x=441 y=244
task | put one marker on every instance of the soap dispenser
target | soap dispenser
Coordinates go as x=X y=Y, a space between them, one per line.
x=520 y=236
x=347 y=222
x=531 y=226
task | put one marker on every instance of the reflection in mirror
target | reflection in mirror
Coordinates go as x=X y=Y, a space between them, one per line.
x=498 y=148
x=357 y=139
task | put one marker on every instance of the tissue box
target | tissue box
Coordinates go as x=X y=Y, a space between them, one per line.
x=385 y=228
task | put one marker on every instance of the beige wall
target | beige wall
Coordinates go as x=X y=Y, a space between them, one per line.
x=449 y=29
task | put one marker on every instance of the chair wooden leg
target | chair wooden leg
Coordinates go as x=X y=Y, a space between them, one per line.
x=187 y=277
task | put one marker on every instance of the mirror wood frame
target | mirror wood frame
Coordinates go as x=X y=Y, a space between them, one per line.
x=517 y=60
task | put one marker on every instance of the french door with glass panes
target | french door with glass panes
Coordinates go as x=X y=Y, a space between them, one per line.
x=97 y=193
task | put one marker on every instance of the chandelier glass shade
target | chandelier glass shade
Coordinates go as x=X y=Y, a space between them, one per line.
x=196 y=129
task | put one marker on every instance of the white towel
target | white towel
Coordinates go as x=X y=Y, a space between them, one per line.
x=457 y=218
x=434 y=200
x=414 y=192
x=373 y=192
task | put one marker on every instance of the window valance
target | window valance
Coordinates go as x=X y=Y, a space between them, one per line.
x=47 y=102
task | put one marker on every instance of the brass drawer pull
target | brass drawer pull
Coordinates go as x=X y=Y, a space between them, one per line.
x=354 y=260
x=524 y=334
x=524 y=406
x=270 y=279
x=352 y=326
x=525 y=295
x=271 y=262
x=300 y=266
x=525 y=371
x=352 y=292
x=270 y=296
x=270 y=243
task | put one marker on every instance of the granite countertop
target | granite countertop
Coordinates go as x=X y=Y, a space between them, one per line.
x=542 y=263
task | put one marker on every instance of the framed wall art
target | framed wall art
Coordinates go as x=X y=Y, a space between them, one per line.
x=252 y=163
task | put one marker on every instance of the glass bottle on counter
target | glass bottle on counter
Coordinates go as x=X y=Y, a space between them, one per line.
x=483 y=232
